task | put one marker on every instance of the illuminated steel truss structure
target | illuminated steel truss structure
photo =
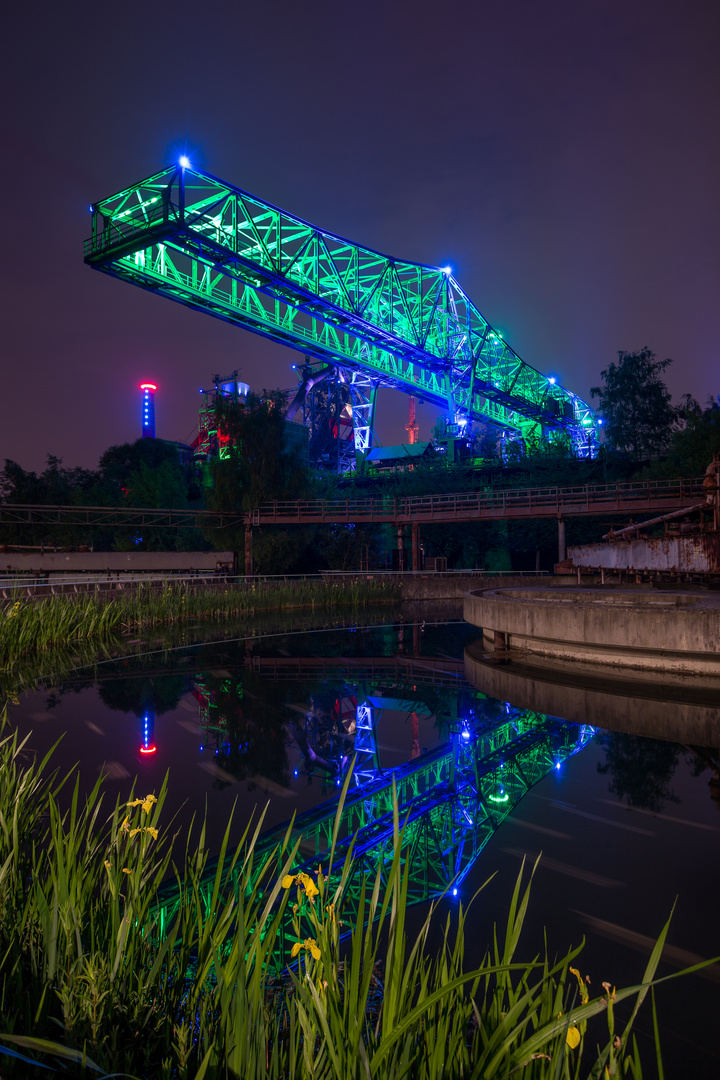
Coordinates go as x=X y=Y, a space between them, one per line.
x=211 y=246
x=450 y=800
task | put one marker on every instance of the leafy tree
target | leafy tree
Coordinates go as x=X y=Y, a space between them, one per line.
x=55 y=486
x=636 y=405
x=258 y=465
x=146 y=472
x=694 y=444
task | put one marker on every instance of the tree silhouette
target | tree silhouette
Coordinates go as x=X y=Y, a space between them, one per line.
x=641 y=769
x=636 y=405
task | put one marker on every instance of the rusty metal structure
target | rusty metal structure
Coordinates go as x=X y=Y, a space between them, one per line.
x=688 y=547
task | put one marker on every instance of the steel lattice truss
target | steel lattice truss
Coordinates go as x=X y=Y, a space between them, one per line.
x=211 y=246
x=450 y=801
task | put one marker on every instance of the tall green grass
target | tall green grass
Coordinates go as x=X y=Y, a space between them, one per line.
x=28 y=626
x=94 y=982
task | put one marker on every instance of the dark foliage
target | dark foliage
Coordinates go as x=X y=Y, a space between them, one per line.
x=636 y=405
x=641 y=769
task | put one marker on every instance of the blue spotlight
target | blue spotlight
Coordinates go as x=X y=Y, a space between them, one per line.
x=184 y=161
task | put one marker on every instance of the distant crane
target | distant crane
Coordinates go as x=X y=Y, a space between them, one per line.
x=412 y=427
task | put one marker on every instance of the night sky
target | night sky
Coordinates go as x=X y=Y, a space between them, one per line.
x=563 y=157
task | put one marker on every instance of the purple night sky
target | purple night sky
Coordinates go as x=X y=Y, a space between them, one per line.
x=562 y=156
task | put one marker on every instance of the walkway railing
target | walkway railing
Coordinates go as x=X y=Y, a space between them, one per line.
x=492 y=504
x=489 y=504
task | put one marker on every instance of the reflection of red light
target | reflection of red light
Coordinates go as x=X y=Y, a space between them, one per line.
x=148 y=386
x=148 y=749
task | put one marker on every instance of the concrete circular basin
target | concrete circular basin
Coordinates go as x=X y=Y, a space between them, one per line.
x=634 y=628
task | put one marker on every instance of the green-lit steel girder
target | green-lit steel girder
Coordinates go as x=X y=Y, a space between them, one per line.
x=211 y=246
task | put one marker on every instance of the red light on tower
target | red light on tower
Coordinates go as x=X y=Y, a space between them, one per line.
x=148 y=409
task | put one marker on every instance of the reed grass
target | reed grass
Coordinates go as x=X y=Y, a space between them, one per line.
x=31 y=626
x=95 y=982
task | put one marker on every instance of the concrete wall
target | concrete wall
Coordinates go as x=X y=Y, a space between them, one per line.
x=663 y=631
x=681 y=554
x=99 y=562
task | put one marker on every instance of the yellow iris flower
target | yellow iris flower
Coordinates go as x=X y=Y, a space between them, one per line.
x=311 y=889
x=309 y=944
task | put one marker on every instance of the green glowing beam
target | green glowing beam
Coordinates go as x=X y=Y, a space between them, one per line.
x=213 y=247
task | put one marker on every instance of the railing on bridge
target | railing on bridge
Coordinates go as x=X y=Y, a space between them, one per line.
x=489 y=504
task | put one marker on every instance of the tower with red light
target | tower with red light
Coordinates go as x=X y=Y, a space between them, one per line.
x=148 y=409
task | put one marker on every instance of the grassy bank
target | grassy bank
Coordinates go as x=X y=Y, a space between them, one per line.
x=93 y=982
x=35 y=625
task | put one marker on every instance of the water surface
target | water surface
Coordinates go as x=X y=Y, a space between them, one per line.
x=627 y=827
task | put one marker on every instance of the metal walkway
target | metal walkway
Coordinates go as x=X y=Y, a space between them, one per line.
x=640 y=496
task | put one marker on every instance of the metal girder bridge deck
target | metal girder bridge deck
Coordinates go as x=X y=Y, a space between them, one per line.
x=211 y=246
x=641 y=496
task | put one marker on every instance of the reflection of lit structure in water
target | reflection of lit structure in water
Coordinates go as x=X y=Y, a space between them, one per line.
x=450 y=801
x=326 y=734
x=220 y=712
x=415 y=745
x=147 y=731
x=213 y=721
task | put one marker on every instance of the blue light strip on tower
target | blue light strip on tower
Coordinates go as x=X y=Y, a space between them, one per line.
x=148 y=416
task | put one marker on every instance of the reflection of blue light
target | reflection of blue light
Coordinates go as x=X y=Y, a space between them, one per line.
x=600 y=420
x=202 y=747
x=454 y=892
x=295 y=773
x=466 y=734
x=557 y=764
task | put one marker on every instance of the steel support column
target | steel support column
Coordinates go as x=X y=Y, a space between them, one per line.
x=248 y=551
x=416 y=546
